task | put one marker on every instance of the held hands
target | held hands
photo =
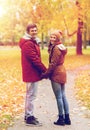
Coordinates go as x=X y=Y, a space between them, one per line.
x=44 y=75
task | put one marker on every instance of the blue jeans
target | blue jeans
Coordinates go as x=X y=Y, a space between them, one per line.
x=62 y=103
x=31 y=92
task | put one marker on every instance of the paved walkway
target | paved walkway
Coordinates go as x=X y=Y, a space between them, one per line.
x=46 y=110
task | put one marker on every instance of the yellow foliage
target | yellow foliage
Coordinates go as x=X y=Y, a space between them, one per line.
x=12 y=89
x=83 y=87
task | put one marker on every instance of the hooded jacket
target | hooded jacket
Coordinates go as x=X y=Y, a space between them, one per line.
x=32 y=67
x=56 y=70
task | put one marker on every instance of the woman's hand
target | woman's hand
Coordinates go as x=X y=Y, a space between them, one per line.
x=44 y=75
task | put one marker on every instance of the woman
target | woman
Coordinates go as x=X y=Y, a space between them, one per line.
x=57 y=74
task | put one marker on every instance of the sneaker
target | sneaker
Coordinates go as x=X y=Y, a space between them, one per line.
x=32 y=121
x=25 y=118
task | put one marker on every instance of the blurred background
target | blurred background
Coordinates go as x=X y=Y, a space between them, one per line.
x=72 y=17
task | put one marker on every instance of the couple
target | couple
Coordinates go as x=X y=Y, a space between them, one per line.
x=33 y=70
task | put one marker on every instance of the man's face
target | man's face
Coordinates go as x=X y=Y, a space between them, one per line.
x=33 y=32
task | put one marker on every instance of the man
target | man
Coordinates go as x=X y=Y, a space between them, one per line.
x=32 y=68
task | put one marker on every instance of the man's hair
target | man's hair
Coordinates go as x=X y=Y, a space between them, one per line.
x=29 y=26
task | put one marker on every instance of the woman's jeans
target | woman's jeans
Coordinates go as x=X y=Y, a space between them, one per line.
x=31 y=92
x=59 y=91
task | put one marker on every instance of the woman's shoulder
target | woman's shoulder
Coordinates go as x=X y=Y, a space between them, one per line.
x=61 y=47
x=56 y=49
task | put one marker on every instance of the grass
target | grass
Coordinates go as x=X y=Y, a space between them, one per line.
x=72 y=60
x=12 y=89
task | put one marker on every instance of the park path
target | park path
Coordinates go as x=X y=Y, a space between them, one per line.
x=46 y=110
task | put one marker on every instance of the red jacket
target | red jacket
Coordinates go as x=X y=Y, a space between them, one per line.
x=32 y=67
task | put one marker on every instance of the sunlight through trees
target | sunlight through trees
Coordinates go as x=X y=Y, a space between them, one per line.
x=48 y=15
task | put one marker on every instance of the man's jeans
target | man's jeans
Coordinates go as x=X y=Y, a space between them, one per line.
x=31 y=92
x=59 y=91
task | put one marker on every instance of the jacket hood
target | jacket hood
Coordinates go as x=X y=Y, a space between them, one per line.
x=26 y=38
x=62 y=48
x=22 y=42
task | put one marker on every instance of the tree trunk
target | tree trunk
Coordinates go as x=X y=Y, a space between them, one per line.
x=79 y=39
x=13 y=41
x=84 y=40
x=79 y=30
x=42 y=42
x=79 y=44
x=85 y=33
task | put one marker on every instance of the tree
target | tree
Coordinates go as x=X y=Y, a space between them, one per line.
x=42 y=15
x=79 y=30
x=48 y=15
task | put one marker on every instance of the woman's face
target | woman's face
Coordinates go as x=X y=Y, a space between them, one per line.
x=53 y=39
